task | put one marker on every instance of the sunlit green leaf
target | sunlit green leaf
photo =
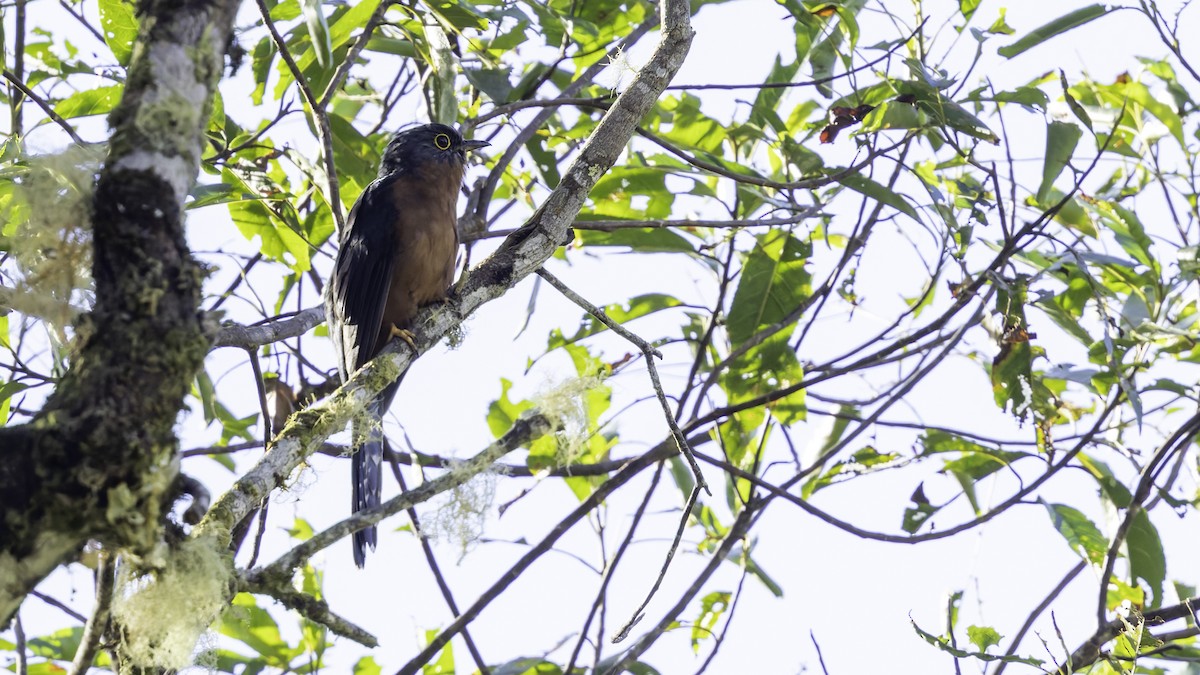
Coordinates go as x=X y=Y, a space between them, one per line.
x=1058 y=26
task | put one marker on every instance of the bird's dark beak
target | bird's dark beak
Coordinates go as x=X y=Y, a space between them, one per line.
x=468 y=146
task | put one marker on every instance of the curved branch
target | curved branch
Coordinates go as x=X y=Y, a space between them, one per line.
x=270 y=331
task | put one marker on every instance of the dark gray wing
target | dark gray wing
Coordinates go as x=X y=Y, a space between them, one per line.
x=362 y=274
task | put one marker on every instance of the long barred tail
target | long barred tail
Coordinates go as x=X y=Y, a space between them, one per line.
x=366 y=472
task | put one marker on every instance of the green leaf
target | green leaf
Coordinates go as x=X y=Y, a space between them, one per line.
x=1147 y=562
x=7 y=391
x=252 y=625
x=1058 y=26
x=1061 y=139
x=865 y=186
x=642 y=240
x=636 y=307
x=491 y=81
x=1081 y=534
x=967 y=8
x=318 y=32
x=920 y=511
x=98 y=101
x=983 y=637
x=502 y=412
x=60 y=645
x=118 y=20
x=527 y=666
x=281 y=240
x=763 y=112
x=862 y=462
x=712 y=606
x=444 y=663
x=943 y=643
x=775 y=282
x=367 y=666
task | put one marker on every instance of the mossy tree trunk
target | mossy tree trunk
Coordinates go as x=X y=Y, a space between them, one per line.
x=99 y=459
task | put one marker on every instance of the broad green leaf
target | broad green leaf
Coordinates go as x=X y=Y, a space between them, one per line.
x=491 y=81
x=98 y=101
x=641 y=240
x=967 y=8
x=60 y=645
x=318 y=32
x=445 y=67
x=1081 y=534
x=248 y=623
x=281 y=241
x=865 y=186
x=118 y=20
x=1056 y=27
x=775 y=282
x=862 y=462
x=1140 y=93
x=459 y=14
x=1061 y=139
x=763 y=112
x=1147 y=562
x=502 y=412
x=920 y=510
x=7 y=391
x=983 y=637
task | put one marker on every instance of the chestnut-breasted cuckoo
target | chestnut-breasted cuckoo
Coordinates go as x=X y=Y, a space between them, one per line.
x=397 y=253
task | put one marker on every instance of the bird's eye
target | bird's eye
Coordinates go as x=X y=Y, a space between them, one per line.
x=442 y=141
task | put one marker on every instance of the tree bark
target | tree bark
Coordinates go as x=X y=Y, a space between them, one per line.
x=98 y=460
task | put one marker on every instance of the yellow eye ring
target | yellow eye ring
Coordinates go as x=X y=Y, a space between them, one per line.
x=442 y=141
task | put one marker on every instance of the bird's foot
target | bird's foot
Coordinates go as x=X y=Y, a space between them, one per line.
x=403 y=334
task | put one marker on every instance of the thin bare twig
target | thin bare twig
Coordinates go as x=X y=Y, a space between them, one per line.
x=436 y=569
x=313 y=609
x=650 y=353
x=90 y=640
x=19 y=634
x=41 y=103
x=60 y=605
x=737 y=531
x=1179 y=439
x=506 y=579
x=1015 y=643
x=611 y=568
x=820 y=657
x=529 y=427
x=615 y=225
x=662 y=573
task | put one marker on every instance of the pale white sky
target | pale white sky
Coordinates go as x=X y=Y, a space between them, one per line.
x=856 y=597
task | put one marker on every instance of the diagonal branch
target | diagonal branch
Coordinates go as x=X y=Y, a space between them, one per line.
x=650 y=353
x=528 y=428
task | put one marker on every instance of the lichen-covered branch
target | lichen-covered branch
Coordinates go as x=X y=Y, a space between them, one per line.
x=98 y=461
x=249 y=337
x=313 y=609
x=528 y=428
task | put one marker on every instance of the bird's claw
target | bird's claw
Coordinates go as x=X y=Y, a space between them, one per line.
x=403 y=334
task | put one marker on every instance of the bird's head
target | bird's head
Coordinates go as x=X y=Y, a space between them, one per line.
x=426 y=144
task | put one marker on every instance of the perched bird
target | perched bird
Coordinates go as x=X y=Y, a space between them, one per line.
x=396 y=254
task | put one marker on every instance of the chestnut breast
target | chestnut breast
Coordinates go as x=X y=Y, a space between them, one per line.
x=426 y=238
